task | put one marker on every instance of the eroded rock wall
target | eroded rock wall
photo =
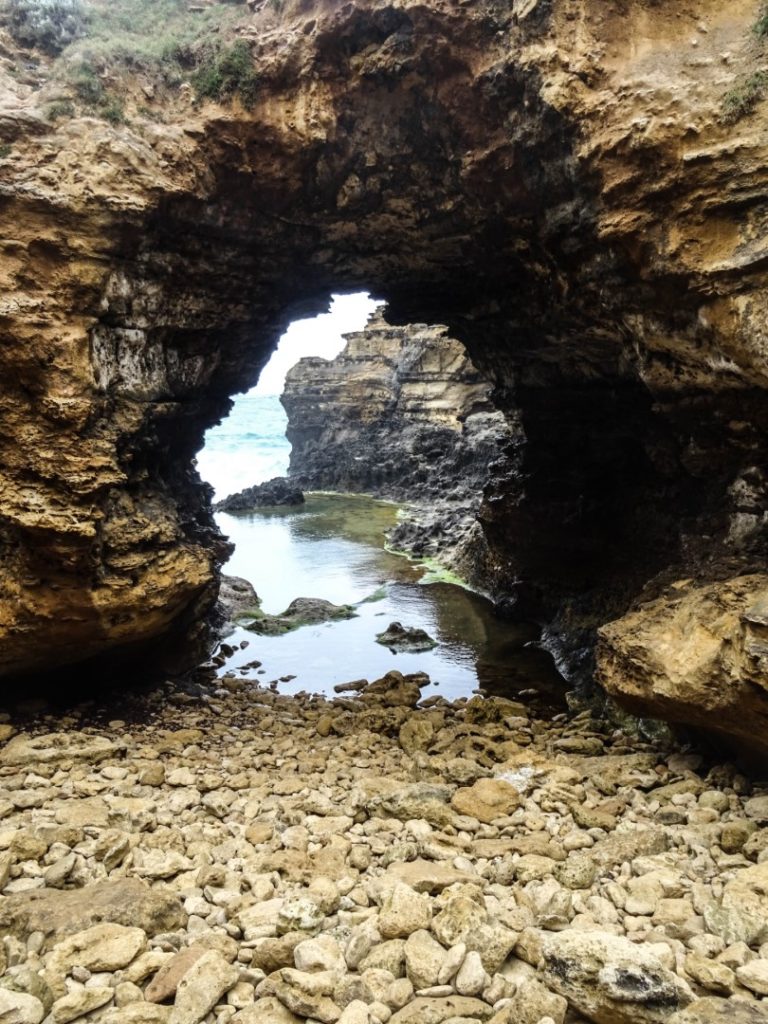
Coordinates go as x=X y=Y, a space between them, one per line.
x=551 y=180
x=402 y=413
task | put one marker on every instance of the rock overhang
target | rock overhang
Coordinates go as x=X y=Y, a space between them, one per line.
x=474 y=165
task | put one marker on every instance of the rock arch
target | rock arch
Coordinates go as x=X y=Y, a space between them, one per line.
x=564 y=198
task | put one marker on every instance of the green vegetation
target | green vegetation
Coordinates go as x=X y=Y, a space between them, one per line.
x=48 y=25
x=112 y=110
x=760 y=28
x=59 y=109
x=225 y=73
x=744 y=97
x=87 y=85
x=96 y=99
x=159 y=35
x=5 y=150
x=166 y=41
x=102 y=43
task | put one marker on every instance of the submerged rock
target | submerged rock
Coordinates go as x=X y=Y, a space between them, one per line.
x=303 y=611
x=271 y=494
x=405 y=639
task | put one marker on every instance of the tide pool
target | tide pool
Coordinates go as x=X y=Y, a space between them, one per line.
x=333 y=548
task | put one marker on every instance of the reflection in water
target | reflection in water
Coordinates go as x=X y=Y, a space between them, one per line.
x=333 y=548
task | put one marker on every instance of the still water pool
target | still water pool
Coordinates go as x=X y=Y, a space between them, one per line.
x=333 y=548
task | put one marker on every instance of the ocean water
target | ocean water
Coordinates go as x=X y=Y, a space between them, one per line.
x=248 y=447
x=333 y=547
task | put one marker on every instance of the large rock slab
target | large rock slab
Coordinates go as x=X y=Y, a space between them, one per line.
x=742 y=914
x=57 y=914
x=610 y=979
x=26 y=750
x=721 y=1011
x=437 y=1010
x=698 y=655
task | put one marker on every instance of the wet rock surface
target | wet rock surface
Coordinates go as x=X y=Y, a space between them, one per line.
x=303 y=611
x=405 y=638
x=273 y=493
x=240 y=856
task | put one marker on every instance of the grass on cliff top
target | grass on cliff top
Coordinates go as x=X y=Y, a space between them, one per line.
x=742 y=99
x=154 y=33
x=166 y=41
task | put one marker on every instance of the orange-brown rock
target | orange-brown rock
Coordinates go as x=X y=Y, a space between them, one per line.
x=698 y=655
x=552 y=180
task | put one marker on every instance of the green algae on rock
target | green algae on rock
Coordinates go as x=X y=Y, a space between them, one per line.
x=303 y=611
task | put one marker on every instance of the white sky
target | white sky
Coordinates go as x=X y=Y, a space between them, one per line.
x=320 y=336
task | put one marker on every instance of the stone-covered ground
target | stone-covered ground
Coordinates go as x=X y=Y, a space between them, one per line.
x=245 y=857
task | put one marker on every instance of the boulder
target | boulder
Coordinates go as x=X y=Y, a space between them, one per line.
x=56 y=913
x=611 y=980
x=696 y=655
x=272 y=494
x=202 y=987
x=104 y=947
x=742 y=914
x=424 y=959
x=405 y=639
x=20 y=1008
x=403 y=912
x=487 y=799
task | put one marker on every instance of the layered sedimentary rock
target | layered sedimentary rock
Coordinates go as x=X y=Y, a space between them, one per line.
x=402 y=413
x=552 y=180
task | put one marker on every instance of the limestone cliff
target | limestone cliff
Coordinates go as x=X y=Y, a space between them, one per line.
x=552 y=179
x=402 y=413
x=399 y=413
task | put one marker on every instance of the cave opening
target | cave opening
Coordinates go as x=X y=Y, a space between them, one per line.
x=365 y=515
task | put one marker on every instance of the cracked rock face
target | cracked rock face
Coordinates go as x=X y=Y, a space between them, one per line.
x=549 y=180
x=401 y=413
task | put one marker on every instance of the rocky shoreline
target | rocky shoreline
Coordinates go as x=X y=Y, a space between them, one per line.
x=240 y=856
x=403 y=414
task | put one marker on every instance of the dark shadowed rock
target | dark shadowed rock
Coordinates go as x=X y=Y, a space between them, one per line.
x=404 y=639
x=303 y=611
x=273 y=493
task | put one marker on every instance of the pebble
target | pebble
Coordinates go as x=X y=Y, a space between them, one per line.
x=215 y=866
